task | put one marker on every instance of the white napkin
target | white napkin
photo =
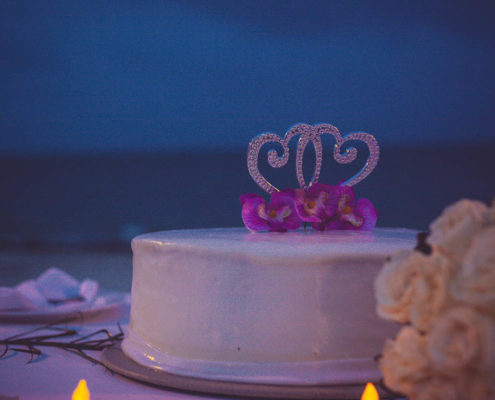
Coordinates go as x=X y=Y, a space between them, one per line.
x=53 y=289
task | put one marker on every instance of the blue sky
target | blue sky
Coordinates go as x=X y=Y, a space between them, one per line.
x=128 y=76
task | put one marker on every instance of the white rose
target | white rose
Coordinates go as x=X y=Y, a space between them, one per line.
x=462 y=340
x=413 y=287
x=438 y=388
x=452 y=231
x=475 y=283
x=432 y=294
x=479 y=387
x=461 y=387
x=404 y=362
x=394 y=286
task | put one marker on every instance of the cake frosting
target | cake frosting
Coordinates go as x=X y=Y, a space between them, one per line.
x=227 y=304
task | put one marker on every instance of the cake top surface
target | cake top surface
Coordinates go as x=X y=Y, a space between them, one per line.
x=379 y=242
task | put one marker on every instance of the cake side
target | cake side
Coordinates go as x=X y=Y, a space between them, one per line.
x=272 y=247
x=219 y=296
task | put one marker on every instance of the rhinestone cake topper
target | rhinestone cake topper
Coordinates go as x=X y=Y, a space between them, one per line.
x=309 y=133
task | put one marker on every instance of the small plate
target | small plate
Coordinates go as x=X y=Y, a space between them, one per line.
x=106 y=302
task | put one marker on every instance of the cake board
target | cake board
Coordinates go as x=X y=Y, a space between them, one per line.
x=117 y=361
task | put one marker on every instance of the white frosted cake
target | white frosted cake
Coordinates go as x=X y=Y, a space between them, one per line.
x=227 y=304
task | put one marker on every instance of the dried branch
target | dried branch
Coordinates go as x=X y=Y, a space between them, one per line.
x=26 y=342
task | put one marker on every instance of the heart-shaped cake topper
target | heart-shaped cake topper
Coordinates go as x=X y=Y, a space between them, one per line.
x=308 y=133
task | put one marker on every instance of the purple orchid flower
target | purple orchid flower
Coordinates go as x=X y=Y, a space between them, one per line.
x=349 y=215
x=279 y=216
x=317 y=203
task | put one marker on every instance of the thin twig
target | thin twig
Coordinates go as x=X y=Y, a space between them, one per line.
x=92 y=334
x=28 y=343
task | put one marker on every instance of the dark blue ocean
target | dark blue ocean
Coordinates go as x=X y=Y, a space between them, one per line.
x=104 y=200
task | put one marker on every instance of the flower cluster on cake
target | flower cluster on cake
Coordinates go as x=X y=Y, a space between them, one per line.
x=444 y=293
x=325 y=207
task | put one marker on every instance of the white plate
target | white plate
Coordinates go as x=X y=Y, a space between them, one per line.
x=106 y=302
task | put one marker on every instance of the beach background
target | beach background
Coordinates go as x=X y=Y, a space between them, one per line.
x=128 y=117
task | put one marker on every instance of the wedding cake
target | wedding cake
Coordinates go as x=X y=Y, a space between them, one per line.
x=288 y=305
x=220 y=303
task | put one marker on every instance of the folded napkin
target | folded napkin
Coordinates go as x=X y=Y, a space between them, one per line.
x=54 y=289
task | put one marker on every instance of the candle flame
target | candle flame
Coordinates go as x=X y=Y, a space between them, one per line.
x=370 y=392
x=81 y=392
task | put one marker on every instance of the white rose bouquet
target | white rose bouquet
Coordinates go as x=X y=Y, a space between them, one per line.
x=444 y=293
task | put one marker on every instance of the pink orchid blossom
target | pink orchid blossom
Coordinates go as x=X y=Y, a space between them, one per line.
x=279 y=216
x=350 y=215
x=317 y=203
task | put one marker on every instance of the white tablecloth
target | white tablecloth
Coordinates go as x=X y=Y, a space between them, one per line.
x=55 y=374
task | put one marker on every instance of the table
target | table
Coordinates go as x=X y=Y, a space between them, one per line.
x=55 y=374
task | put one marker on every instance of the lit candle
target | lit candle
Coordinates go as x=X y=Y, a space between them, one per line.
x=370 y=392
x=81 y=392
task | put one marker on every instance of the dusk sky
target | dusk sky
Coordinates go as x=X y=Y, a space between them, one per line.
x=129 y=76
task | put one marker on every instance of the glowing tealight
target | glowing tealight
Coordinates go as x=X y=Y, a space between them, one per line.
x=370 y=392
x=81 y=392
